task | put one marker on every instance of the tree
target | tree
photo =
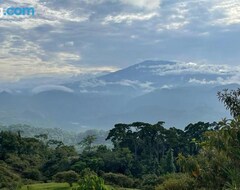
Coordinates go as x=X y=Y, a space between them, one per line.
x=87 y=142
x=170 y=166
x=33 y=174
x=9 y=143
x=69 y=177
x=217 y=164
x=231 y=100
x=8 y=179
x=42 y=137
x=54 y=143
x=59 y=160
x=194 y=135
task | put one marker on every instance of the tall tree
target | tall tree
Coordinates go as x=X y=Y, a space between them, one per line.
x=170 y=166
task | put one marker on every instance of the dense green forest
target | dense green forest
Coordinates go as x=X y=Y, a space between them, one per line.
x=142 y=156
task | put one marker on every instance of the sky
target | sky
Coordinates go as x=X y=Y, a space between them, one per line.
x=79 y=37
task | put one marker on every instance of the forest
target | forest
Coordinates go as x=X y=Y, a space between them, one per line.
x=144 y=156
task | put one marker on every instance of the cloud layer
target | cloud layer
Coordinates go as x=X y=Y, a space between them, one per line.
x=91 y=36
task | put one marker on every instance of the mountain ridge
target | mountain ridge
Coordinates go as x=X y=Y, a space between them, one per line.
x=175 y=92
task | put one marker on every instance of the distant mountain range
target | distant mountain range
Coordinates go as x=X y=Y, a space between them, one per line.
x=174 y=92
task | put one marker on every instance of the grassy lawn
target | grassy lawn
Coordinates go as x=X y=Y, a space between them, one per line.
x=50 y=186
x=58 y=186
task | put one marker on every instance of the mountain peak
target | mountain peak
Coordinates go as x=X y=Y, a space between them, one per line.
x=133 y=71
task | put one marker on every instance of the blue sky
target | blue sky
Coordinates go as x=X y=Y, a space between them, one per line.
x=78 y=37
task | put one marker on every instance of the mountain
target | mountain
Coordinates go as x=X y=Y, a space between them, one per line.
x=175 y=92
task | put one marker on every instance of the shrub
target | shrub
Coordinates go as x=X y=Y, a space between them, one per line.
x=177 y=182
x=150 y=181
x=119 y=180
x=8 y=179
x=86 y=172
x=91 y=182
x=69 y=177
x=32 y=174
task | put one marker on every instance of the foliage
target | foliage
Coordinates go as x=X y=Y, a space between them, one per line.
x=150 y=181
x=32 y=174
x=67 y=137
x=177 y=182
x=147 y=156
x=169 y=165
x=91 y=182
x=119 y=180
x=8 y=179
x=87 y=142
x=69 y=177
x=231 y=100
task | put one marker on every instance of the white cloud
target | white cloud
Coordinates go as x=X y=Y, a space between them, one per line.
x=14 y=69
x=146 y=86
x=67 y=44
x=44 y=14
x=29 y=49
x=142 y=4
x=166 y=86
x=203 y=81
x=134 y=36
x=129 y=17
x=182 y=68
x=229 y=11
x=93 y=83
x=43 y=88
x=65 y=56
x=145 y=4
x=172 y=26
x=235 y=79
x=20 y=58
x=176 y=18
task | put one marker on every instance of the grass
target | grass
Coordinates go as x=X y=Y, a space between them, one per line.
x=58 y=186
x=47 y=186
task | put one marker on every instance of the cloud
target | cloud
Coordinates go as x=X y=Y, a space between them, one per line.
x=20 y=58
x=129 y=17
x=44 y=88
x=140 y=4
x=228 y=11
x=146 y=86
x=44 y=14
x=64 y=56
x=90 y=36
x=145 y=4
x=235 y=79
x=176 y=17
x=191 y=68
x=172 y=26
x=166 y=86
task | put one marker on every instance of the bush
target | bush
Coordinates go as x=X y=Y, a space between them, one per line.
x=32 y=174
x=91 y=182
x=150 y=181
x=177 y=182
x=8 y=179
x=119 y=180
x=69 y=177
x=86 y=172
x=79 y=166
